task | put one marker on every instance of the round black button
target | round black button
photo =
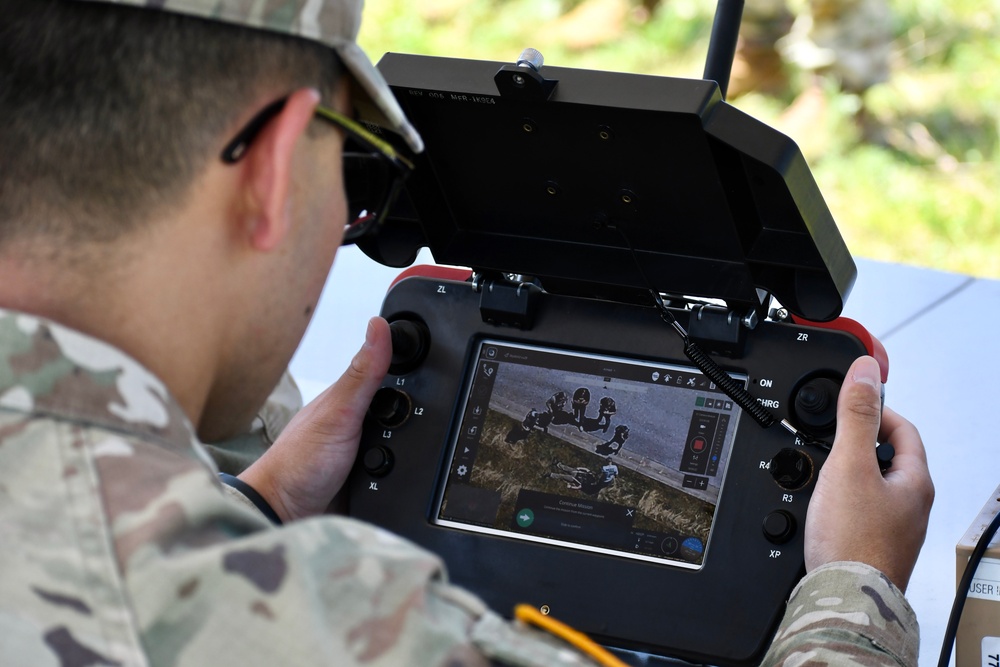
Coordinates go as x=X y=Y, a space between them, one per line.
x=377 y=461
x=390 y=407
x=791 y=468
x=779 y=527
x=885 y=452
x=410 y=342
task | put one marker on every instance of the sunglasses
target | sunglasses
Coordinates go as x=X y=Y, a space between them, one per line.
x=374 y=171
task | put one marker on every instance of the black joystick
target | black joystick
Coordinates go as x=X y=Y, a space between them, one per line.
x=816 y=405
x=792 y=469
x=390 y=407
x=410 y=342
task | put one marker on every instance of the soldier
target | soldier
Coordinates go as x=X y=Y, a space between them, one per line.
x=519 y=432
x=581 y=399
x=615 y=444
x=606 y=409
x=584 y=479
x=171 y=199
x=555 y=411
x=556 y=403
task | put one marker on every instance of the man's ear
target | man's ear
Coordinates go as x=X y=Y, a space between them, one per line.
x=268 y=165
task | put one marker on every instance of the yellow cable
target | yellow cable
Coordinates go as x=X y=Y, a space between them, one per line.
x=528 y=614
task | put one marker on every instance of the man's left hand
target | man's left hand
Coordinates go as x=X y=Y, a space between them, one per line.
x=307 y=465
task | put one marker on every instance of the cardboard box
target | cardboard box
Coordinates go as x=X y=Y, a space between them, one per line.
x=978 y=641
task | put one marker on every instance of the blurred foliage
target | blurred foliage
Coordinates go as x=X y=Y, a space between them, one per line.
x=924 y=190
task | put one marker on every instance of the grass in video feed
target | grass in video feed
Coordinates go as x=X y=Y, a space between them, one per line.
x=508 y=468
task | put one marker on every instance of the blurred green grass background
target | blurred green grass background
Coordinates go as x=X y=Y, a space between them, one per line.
x=926 y=193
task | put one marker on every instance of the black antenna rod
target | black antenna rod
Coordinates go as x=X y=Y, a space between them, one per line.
x=722 y=46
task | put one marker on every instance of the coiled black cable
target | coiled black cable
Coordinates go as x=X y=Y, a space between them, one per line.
x=715 y=373
x=699 y=358
x=727 y=384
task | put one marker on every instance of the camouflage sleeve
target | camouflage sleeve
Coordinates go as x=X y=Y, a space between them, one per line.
x=846 y=614
x=119 y=546
x=235 y=455
x=208 y=578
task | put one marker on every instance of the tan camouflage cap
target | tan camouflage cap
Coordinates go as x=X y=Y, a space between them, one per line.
x=334 y=23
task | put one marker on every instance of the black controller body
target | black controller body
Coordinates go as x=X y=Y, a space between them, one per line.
x=721 y=607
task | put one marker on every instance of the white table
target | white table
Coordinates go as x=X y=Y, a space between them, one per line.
x=937 y=328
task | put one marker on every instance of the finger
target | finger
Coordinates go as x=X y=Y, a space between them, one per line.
x=902 y=434
x=352 y=393
x=910 y=455
x=859 y=410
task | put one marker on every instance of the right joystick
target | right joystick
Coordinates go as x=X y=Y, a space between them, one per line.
x=792 y=469
x=816 y=405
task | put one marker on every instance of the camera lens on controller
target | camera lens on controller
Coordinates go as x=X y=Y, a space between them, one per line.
x=815 y=405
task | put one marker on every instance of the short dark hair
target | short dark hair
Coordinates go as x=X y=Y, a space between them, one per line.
x=107 y=113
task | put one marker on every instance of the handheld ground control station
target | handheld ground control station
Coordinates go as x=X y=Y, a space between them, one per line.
x=617 y=413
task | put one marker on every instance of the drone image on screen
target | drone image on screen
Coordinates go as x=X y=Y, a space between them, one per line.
x=636 y=471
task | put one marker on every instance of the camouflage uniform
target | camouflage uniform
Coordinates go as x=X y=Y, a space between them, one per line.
x=846 y=614
x=120 y=547
x=235 y=455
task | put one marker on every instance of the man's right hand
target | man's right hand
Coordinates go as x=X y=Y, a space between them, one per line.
x=856 y=513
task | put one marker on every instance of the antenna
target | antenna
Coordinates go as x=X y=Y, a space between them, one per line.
x=722 y=45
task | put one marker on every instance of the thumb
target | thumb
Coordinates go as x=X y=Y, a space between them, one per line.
x=353 y=392
x=859 y=413
x=310 y=460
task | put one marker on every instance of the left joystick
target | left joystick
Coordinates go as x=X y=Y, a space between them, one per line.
x=410 y=343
